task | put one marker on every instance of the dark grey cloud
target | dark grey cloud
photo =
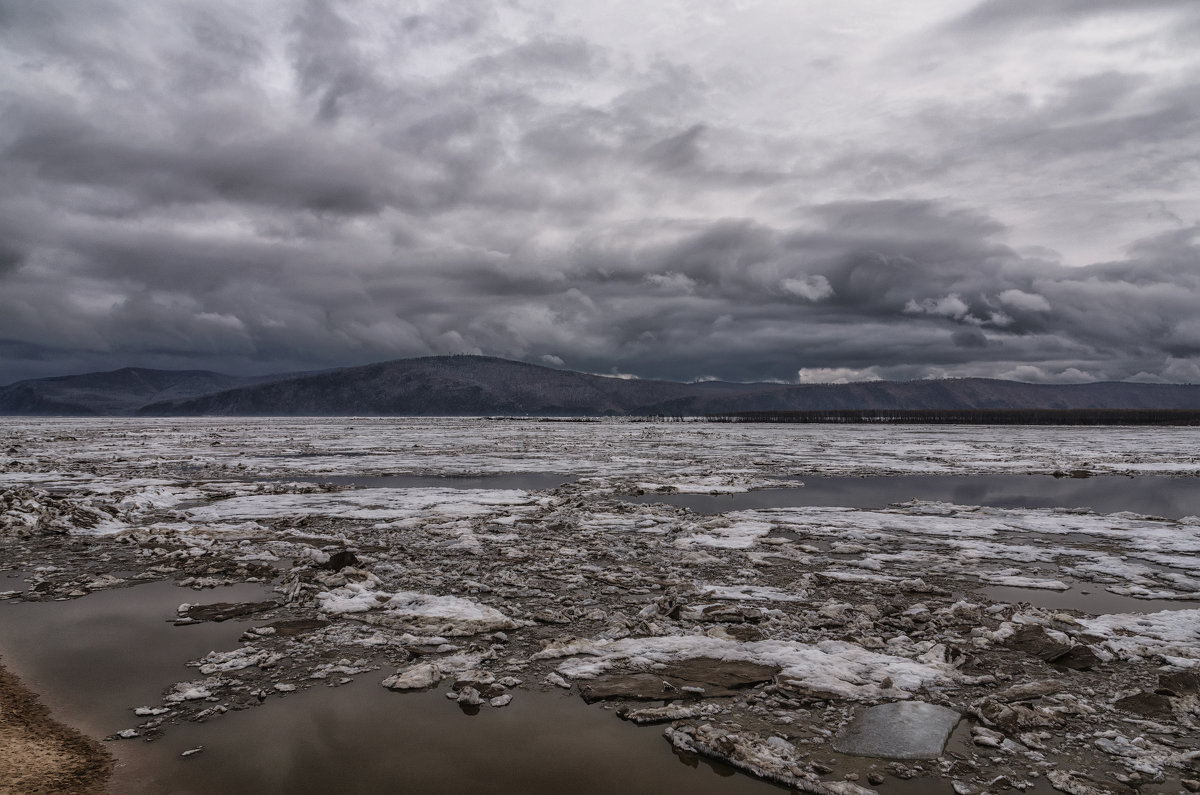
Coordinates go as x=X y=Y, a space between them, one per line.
x=994 y=16
x=317 y=184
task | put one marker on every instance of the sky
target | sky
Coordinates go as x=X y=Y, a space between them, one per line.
x=786 y=190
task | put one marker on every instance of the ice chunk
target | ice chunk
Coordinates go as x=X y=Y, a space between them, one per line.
x=900 y=730
x=443 y=615
x=417 y=677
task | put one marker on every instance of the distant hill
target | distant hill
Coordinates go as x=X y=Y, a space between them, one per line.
x=484 y=386
x=113 y=393
x=440 y=386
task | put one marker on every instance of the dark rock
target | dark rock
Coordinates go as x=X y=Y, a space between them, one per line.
x=1074 y=473
x=646 y=687
x=726 y=673
x=1014 y=718
x=700 y=677
x=1079 y=658
x=1035 y=641
x=223 y=611
x=340 y=560
x=1146 y=703
x=421 y=650
x=649 y=687
x=744 y=632
x=1074 y=783
x=1180 y=683
x=297 y=626
x=733 y=614
x=1029 y=691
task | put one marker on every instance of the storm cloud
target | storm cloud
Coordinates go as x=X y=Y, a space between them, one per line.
x=747 y=191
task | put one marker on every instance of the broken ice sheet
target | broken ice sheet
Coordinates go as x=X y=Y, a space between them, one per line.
x=784 y=586
x=441 y=615
x=372 y=504
x=900 y=730
x=1171 y=634
x=827 y=669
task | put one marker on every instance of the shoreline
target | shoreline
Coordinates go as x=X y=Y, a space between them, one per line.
x=38 y=754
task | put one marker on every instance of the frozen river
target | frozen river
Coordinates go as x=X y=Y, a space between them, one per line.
x=774 y=581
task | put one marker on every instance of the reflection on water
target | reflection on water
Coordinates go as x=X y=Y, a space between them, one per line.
x=1090 y=598
x=363 y=739
x=94 y=658
x=1157 y=496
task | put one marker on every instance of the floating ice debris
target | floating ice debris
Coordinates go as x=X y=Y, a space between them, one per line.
x=900 y=730
x=826 y=669
x=441 y=615
x=469 y=696
x=1074 y=783
x=1016 y=581
x=753 y=593
x=736 y=535
x=773 y=759
x=369 y=504
x=823 y=598
x=668 y=713
x=417 y=677
x=235 y=660
x=192 y=751
x=143 y=712
x=1172 y=633
x=190 y=691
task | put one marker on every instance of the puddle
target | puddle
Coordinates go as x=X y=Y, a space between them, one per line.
x=362 y=738
x=525 y=481
x=1096 y=601
x=1157 y=496
x=94 y=658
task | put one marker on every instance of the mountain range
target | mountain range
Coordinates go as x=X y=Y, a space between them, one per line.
x=486 y=386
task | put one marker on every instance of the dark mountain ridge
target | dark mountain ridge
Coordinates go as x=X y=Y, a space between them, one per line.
x=486 y=386
x=116 y=392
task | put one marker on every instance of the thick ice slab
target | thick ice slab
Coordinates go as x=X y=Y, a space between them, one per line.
x=900 y=730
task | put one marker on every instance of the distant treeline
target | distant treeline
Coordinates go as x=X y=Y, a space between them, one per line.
x=972 y=416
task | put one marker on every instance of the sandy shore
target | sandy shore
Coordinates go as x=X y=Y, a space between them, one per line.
x=41 y=755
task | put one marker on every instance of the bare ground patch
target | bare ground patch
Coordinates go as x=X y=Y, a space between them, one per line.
x=40 y=755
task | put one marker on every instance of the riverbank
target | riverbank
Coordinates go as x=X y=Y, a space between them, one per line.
x=39 y=754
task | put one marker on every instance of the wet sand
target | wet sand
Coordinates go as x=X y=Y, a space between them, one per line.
x=40 y=755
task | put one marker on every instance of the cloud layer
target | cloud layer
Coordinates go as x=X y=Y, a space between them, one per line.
x=745 y=191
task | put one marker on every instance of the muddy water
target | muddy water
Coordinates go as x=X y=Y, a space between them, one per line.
x=1091 y=598
x=95 y=658
x=1157 y=496
x=364 y=739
